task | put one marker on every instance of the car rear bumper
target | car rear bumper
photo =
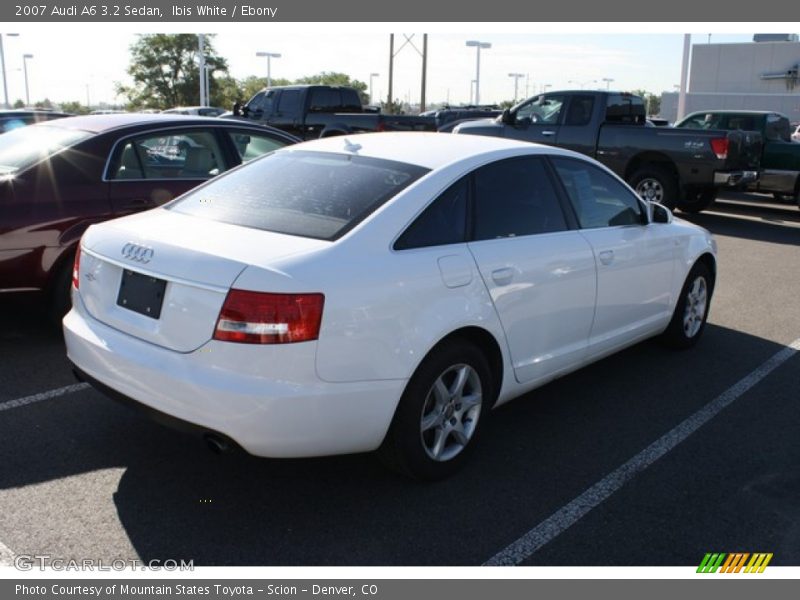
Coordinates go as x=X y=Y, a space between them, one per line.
x=266 y=399
x=734 y=178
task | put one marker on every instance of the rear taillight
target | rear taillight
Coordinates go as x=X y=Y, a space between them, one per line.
x=265 y=318
x=720 y=147
x=76 y=268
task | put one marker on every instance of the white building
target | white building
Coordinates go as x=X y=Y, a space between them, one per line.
x=760 y=75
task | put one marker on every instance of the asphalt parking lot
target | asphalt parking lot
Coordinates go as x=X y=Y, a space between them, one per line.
x=82 y=477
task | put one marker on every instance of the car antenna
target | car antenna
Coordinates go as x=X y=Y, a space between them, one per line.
x=350 y=146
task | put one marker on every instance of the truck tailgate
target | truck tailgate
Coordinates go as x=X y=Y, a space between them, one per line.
x=744 y=149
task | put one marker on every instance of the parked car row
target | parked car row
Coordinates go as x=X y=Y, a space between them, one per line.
x=379 y=292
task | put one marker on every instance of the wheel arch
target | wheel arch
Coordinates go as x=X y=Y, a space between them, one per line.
x=645 y=159
x=486 y=343
x=711 y=263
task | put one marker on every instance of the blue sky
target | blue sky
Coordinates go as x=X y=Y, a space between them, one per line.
x=68 y=64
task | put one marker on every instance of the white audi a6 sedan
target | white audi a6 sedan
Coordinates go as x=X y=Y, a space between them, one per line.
x=380 y=291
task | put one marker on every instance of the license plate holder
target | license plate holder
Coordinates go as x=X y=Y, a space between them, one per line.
x=141 y=293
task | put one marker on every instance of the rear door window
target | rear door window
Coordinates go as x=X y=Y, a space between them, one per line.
x=167 y=155
x=252 y=145
x=325 y=100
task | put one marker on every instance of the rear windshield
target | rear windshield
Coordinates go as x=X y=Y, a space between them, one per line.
x=26 y=146
x=309 y=194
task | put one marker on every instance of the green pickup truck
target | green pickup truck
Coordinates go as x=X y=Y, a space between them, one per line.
x=780 y=159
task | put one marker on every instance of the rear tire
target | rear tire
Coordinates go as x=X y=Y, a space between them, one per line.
x=656 y=184
x=691 y=311
x=438 y=419
x=59 y=300
x=695 y=202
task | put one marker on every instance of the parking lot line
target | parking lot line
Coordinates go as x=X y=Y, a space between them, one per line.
x=6 y=556
x=67 y=389
x=571 y=513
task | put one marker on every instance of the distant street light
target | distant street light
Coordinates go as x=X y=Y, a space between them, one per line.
x=3 y=64
x=582 y=83
x=471 y=91
x=25 y=58
x=608 y=81
x=478 y=45
x=371 y=77
x=270 y=56
x=516 y=77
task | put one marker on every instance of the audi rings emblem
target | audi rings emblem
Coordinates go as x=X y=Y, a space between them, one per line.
x=137 y=253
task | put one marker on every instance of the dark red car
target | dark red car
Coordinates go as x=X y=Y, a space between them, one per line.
x=57 y=178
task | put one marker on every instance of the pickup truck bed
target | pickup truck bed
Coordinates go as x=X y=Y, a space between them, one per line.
x=316 y=111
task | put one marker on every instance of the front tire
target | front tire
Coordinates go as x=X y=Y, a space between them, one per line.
x=439 y=416
x=691 y=312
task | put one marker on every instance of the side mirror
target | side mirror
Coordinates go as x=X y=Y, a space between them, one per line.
x=507 y=117
x=245 y=111
x=659 y=213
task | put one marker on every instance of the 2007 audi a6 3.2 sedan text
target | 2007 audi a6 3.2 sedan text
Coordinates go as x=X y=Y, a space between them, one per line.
x=380 y=291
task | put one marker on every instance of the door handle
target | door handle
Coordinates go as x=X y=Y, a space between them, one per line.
x=135 y=203
x=503 y=276
x=606 y=257
x=548 y=133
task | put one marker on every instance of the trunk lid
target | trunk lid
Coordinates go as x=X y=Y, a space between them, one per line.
x=177 y=270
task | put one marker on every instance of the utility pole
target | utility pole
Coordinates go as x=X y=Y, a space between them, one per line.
x=391 y=70
x=424 y=70
x=201 y=65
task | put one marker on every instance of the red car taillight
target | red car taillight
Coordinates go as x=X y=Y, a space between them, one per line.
x=76 y=268
x=720 y=147
x=266 y=318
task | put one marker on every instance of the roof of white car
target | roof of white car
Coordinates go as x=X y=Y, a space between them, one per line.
x=430 y=150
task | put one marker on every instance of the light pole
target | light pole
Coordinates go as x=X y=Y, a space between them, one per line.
x=582 y=83
x=478 y=45
x=471 y=90
x=25 y=58
x=201 y=67
x=516 y=77
x=371 y=77
x=208 y=69
x=3 y=64
x=270 y=56
x=608 y=81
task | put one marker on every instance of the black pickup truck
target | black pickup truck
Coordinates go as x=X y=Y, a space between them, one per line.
x=675 y=167
x=315 y=111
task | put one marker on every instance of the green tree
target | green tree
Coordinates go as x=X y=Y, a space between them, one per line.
x=651 y=101
x=46 y=103
x=165 y=72
x=75 y=108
